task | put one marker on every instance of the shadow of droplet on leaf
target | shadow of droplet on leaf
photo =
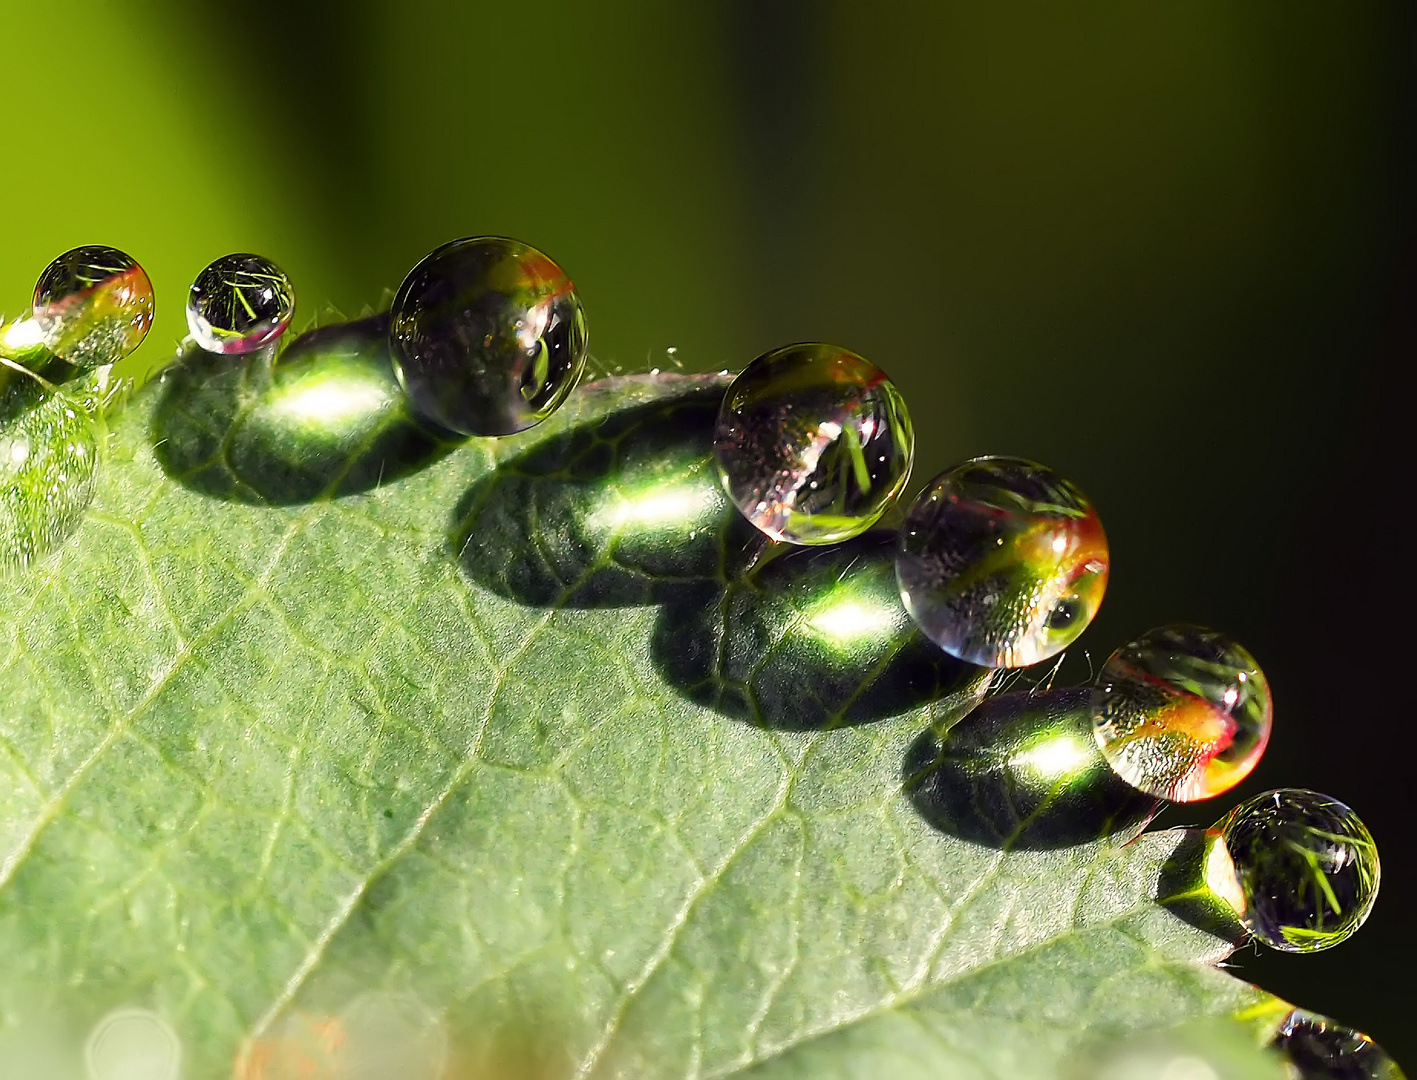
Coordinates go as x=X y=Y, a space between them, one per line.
x=1022 y=771
x=1182 y=888
x=326 y=419
x=628 y=510
x=620 y=511
x=812 y=639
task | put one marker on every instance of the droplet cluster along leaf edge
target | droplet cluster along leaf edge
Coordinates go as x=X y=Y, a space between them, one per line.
x=234 y=740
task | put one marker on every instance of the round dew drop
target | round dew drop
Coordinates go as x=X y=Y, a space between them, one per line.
x=1182 y=713
x=1317 y=1048
x=239 y=303
x=93 y=306
x=813 y=443
x=488 y=336
x=1305 y=869
x=1002 y=562
x=49 y=457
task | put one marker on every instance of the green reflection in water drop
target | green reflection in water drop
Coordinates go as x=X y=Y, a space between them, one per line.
x=50 y=438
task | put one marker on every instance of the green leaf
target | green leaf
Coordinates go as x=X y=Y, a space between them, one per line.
x=324 y=736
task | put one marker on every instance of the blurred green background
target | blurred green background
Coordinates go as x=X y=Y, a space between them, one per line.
x=1169 y=249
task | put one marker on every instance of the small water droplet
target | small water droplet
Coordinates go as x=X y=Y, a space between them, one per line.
x=488 y=336
x=1306 y=868
x=93 y=305
x=239 y=303
x=981 y=569
x=133 y=1044
x=813 y=443
x=1183 y=713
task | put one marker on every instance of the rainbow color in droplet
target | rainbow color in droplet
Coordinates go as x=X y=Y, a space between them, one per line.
x=1182 y=713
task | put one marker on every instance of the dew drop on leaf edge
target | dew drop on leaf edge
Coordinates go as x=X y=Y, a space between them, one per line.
x=488 y=336
x=1182 y=712
x=813 y=443
x=94 y=305
x=1305 y=868
x=1317 y=1048
x=239 y=303
x=1002 y=562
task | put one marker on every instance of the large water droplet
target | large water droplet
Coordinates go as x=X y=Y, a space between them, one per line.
x=239 y=303
x=488 y=336
x=48 y=465
x=1306 y=869
x=1317 y=1048
x=1183 y=713
x=1002 y=562
x=94 y=305
x=813 y=443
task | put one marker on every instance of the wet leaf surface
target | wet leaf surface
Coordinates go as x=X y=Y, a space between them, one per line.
x=526 y=751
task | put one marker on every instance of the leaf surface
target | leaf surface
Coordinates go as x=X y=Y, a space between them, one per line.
x=524 y=754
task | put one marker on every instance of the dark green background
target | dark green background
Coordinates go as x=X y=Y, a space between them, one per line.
x=1169 y=249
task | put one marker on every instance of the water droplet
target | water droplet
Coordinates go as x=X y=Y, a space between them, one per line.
x=1183 y=713
x=813 y=443
x=239 y=303
x=1316 y=1048
x=488 y=336
x=48 y=465
x=133 y=1044
x=1002 y=562
x=1306 y=868
x=94 y=306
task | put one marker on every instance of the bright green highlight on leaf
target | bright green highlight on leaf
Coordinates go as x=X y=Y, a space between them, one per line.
x=312 y=725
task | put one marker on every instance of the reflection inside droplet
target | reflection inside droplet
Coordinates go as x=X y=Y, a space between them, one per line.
x=240 y=303
x=94 y=305
x=813 y=443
